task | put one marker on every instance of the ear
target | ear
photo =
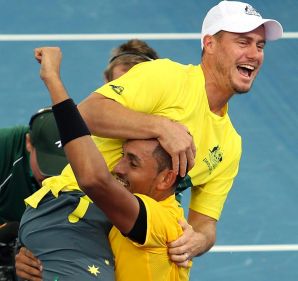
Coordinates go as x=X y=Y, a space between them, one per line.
x=208 y=42
x=166 y=180
x=29 y=145
x=106 y=80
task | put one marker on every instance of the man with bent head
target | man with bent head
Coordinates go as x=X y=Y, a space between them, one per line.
x=142 y=169
x=143 y=223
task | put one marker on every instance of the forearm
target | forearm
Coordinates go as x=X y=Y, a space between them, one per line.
x=85 y=158
x=107 y=118
x=198 y=237
x=116 y=121
x=91 y=171
x=205 y=229
x=56 y=89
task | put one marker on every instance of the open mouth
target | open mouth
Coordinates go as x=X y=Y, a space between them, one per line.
x=122 y=182
x=246 y=70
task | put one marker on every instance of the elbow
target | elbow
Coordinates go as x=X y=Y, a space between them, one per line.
x=212 y=241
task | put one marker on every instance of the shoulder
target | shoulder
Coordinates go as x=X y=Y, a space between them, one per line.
x=168 y=207
x=162 y=66
x=162 y=219
x=14 y=133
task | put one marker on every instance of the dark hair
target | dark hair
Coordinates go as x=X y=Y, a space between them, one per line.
x=164 y=161
x=129 y=54
x=163 y=158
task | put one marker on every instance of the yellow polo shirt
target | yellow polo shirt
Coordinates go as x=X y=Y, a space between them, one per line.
x=150 y=261
x=177 y=91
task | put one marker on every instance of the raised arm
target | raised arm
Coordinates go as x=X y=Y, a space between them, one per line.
x=91 y=171
x=121 y=207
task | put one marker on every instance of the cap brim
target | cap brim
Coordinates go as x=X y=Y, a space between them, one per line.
x=273 y=29
x=50 y=164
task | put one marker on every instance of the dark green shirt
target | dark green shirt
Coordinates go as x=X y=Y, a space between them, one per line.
x=16 y=180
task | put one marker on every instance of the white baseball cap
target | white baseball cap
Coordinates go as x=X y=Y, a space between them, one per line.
x=238 y=17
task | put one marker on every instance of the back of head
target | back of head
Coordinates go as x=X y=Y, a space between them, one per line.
x=129 y=54
x=238 y=17
x=45 y=138
x=135 y=46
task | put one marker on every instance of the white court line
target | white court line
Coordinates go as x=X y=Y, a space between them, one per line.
x=254 y=248
x=115 y=36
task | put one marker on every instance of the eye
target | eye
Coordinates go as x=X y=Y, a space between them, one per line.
x=242 y=43
x=133 y=164
x=261 y=46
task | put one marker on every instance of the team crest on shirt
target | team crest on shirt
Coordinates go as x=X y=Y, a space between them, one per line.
x=117 y=89
x=249 y=10
x=214 y=158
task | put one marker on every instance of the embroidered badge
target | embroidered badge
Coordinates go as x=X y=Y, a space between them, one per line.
x=214 y=158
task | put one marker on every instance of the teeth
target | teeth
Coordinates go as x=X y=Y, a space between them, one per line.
x=250 y=67
x=121 y=181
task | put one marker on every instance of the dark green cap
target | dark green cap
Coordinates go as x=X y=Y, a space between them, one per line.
x=45 y=138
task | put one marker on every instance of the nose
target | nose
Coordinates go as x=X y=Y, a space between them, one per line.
x=254 y=52
x=119 y=169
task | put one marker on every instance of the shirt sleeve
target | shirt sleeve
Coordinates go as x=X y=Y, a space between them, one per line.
x=162 y=223
x=209 y=199
x=139 y=230
x=145 y=87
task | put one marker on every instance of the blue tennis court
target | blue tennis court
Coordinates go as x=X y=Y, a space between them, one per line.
x=258 y=232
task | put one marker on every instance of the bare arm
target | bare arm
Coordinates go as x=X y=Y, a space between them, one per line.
x=108 y=118
x=198 y=237
x=93 y=176
x=120 y=206
x=205 y=227
x=115 y=121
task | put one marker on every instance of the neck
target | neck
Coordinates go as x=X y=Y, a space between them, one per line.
x=162 y=195
x=217 y=94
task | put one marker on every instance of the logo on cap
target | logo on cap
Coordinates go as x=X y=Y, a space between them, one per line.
x=58 y=143
x=249 y=10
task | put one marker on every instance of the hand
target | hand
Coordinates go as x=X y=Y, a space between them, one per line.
x=182 y=250
x=178 y=142
x=28 y=267
x=50 y=61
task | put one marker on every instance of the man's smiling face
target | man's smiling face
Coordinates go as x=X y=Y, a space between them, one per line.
x=239 y=57
x=138 y=169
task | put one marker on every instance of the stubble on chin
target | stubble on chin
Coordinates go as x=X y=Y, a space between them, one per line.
x=240 y=90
